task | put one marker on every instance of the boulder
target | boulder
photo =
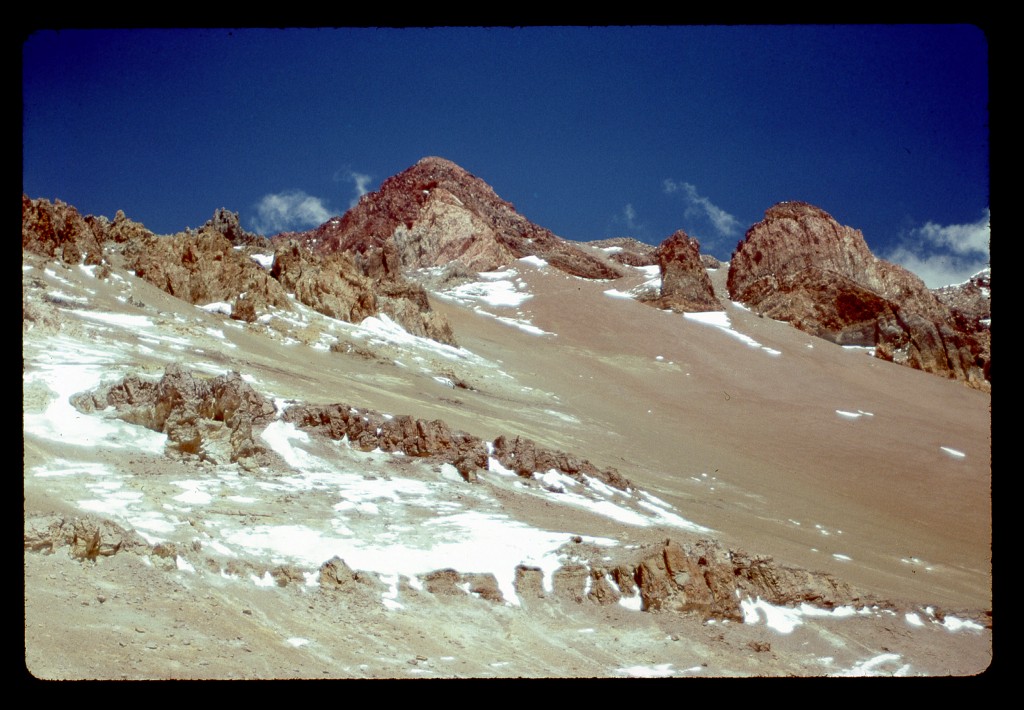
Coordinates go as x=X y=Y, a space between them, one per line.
x=87 y=537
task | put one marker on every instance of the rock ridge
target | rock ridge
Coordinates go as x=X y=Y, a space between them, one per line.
x=216 y=264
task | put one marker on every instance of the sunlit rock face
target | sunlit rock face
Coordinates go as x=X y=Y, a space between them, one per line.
x=435 y=213
x=685 y=285
x=220 y=263
x=801 y=266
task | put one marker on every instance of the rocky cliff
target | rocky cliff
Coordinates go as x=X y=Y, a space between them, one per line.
x=799 y=265
x=216 y=264
x=435 y=213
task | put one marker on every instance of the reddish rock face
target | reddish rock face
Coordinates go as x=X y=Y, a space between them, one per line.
x=799 y=265
x=58 y=230
x=685 y=285
x=435 y=213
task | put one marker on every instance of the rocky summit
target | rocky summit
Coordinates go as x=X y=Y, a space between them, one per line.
x=436 y=213
x=801 y=266
x=430 y=439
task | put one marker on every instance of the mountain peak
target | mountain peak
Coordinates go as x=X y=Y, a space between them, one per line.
x=437 y=161
x=435 y=212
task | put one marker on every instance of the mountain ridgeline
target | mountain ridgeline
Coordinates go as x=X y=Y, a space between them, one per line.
x=797 y=265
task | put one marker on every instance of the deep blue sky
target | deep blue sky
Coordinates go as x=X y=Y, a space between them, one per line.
x=589 y=132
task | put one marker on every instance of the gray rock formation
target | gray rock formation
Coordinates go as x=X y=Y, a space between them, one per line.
x=87 y=536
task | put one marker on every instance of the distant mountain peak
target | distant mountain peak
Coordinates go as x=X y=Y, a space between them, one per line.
x=435 y=213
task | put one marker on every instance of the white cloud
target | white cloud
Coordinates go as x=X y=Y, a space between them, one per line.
x=360 y=181
x=630 y=215
x=625 y=223
x=968 y=239
x=945 y=254
x=628 y=218
x=289 y=210
x=696 y=205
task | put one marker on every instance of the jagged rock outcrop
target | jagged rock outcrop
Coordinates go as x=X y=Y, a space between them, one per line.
x=524 y=457
x=971 y=306
x=685 y=284
x=529 y=582
x=970 y=301
x=121 y=231
x=707 y=579
x=450 y=582
x=87 y=536
x=214 y=264
x=710 y=262
x=367 y=430
x=226 y=222
x=57 y=230
x=435 y=213
x=209 y=418
x=204 y=267
x=799 y=265
x=331 y=285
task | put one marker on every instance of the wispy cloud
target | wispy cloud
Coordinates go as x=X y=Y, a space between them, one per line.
x=625 y=223
x=944 y=254
x=289 y=210
x=960 y=238
x=699 y=206
x=625 y=220
x=360 y=183
x=630 y=214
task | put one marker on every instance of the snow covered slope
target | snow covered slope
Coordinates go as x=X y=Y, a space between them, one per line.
x=728 y=427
